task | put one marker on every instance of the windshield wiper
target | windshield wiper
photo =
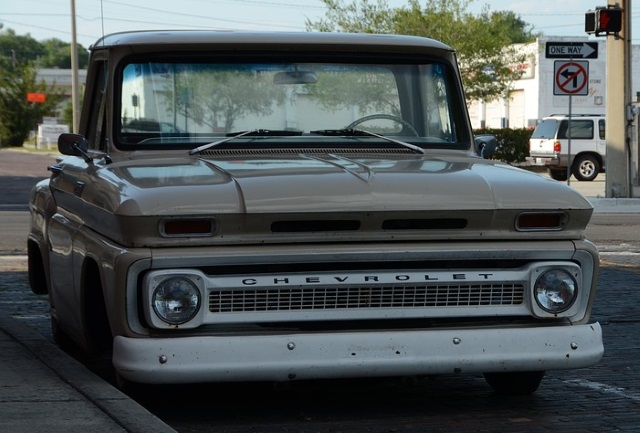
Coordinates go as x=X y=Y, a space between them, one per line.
x=251 y=133
x=364 y=133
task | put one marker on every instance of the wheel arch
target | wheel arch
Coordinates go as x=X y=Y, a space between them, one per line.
x=37 y=269
x=98 y=334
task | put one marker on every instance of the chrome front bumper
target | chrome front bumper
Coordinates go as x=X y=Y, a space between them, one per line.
x=235 y=358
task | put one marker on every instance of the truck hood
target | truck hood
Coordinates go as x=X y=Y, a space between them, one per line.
x=327 y=183
x=314 y=198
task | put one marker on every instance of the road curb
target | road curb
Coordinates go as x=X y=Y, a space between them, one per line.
x=127 y=413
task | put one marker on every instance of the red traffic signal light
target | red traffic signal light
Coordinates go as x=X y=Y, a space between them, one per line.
x=603 y=20
x=610 y=20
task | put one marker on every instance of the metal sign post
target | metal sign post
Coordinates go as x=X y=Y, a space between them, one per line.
x=571 y=78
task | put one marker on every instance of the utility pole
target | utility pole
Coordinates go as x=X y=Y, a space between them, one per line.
x=617 y=181
x=619 y=111
x=75 y=84
x=614 y=21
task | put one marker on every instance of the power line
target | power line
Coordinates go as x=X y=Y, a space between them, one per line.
x=256 y=2
x=49 y=29
x=200 y=16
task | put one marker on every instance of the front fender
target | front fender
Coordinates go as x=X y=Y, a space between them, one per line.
x=41 y=208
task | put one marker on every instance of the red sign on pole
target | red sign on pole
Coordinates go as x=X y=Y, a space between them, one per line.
x=36 y=97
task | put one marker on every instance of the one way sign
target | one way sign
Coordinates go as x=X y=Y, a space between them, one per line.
x=572 y=50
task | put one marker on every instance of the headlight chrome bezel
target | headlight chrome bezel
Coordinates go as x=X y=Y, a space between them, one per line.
x=191 y=282
x=566 y=291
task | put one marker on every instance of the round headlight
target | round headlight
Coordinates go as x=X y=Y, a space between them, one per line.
x=176 y=300
x=555 y=290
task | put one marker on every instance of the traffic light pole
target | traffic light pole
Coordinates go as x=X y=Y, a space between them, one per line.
x=618 y=88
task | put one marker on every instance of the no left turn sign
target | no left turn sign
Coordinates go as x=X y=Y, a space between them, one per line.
x=571 y=78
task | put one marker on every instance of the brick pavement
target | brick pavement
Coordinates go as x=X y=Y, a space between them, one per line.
x=599 y=399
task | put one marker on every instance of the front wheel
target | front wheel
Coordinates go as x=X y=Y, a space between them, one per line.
x=515 y=383
x=586 y=167
x=61 y=338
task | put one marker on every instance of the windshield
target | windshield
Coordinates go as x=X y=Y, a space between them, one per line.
x=188 y=104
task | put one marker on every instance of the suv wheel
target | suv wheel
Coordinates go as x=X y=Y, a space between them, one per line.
x=558 y=173
x=586 y=167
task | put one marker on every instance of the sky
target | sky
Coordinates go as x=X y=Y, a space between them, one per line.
x=46 y=19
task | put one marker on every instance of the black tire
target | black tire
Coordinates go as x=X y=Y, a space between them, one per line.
x=515 y=383
x=61 y=338
x=558 y=173
x=37 y=279
x=586 y=167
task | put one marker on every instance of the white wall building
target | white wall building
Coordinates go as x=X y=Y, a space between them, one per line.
x=536 y=94
x=60 y=78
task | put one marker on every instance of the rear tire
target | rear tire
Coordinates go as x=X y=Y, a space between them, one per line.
x=515 y=383
x=586 y=168
x=558 y=173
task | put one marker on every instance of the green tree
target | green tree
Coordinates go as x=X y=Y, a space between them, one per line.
x=344 y=90
x=356 y=17
x=516 y=30
x=50 y=53
x=483 y=42
x=16 y=50
x=58 y=55
x=67 y=113
x=17 y=115
x=217 y=99
x=20 y=57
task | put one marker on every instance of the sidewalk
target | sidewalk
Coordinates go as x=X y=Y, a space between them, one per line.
x=615 y=205
x=42 y=389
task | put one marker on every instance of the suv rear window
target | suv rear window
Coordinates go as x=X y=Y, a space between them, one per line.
x=546 y=129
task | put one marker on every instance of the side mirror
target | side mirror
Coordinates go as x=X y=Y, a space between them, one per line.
x=485 y=145
x=74 y=145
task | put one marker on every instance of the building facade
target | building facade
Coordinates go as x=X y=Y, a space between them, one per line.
x=545 y=84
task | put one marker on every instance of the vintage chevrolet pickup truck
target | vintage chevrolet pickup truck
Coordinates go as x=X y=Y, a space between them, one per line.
x=285 y=206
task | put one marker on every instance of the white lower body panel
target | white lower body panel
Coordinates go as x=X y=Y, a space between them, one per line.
x=286 y=357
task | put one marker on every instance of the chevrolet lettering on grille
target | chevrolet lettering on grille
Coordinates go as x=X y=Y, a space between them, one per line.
x=357 y=278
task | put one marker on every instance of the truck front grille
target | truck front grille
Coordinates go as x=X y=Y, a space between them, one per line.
x=340 y=298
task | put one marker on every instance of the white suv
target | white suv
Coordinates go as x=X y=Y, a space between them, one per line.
x=549 y=145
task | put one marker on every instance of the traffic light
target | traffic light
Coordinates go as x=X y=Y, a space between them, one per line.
x=604 y=20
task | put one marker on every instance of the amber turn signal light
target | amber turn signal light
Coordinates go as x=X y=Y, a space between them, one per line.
x=532 y=221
